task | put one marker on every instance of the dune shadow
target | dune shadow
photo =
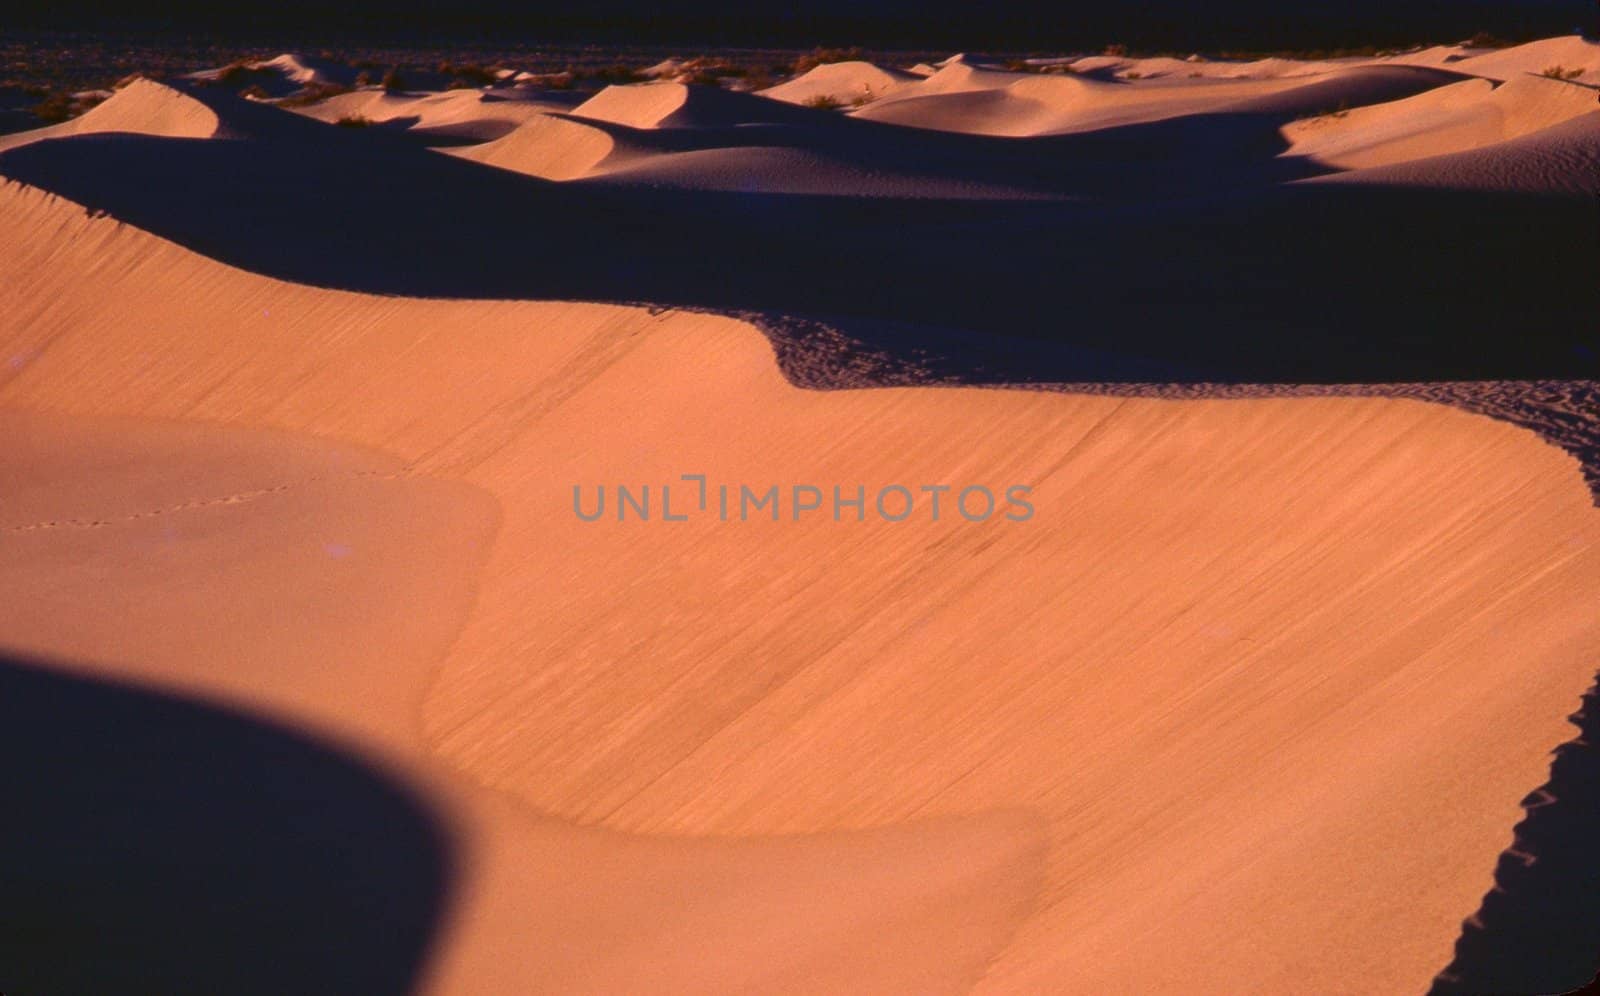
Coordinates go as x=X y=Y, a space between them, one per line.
x=1180 y=156
x=1304 y=283
x=1536 y=930
x=156 y=845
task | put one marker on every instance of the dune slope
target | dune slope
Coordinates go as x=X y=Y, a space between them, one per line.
x=1220 y=692
x=143 y=107
x=1455 y=118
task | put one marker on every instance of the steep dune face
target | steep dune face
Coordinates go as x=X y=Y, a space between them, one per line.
x=1247 y=705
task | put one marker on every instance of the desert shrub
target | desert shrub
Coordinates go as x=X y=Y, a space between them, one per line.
x=1024 y=66
x=564 y=80
x=1485 y=39
x=354 y=121
x=55 y=108
x=1561 y=73
x=254 y=92
x=617 y=73
x=820 y=56
x=758 y=78
x=1118 y=51
x=1332 y=113
x=238 y=73
x=702 y=76
x=392 y=80
x=707 y=71
x=466 y=76
x=823 y=102
x=1133 y=75
x=311 y=94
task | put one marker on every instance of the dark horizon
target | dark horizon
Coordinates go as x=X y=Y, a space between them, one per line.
x=887 y=24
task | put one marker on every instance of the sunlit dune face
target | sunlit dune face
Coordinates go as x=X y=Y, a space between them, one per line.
x=720 y=684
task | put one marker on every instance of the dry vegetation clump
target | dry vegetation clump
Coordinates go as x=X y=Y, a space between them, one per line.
x=467 y=76
x=821 y=56
x=310 y=94
x=1043 y=69
x=703 y=71
x=823 y=102
x=1331 y=114
x=354 y=121
x=57 y=106
x=1485 y=39
x=1561 y=73
x=564 y=80
x=615 y=74
x=240 y=73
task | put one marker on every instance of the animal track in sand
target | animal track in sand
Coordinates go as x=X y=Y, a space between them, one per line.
x=236 y=498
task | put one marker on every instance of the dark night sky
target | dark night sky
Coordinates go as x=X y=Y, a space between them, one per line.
x=1176 y=24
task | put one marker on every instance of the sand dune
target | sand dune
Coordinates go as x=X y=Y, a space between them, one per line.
x=1248 y=705
x=288 y=537
x=1453 y=118
x=467 y=115
x=1570 y=53
x=1562 y=160
x=1096 y=94
x=281 y=75
x=552 y=146
x=142 y=107
x=844 y=83
x=680 y=105
x=1161 y=292
x=1018 y=104
x=1228 y=673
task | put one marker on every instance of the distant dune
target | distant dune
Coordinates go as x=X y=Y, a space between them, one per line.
x=1250 y=703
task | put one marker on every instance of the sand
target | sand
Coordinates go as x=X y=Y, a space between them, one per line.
x=142 y=106
x=1249 y=705
x=841 y=83
x=473 y=116
x=1454 y=118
